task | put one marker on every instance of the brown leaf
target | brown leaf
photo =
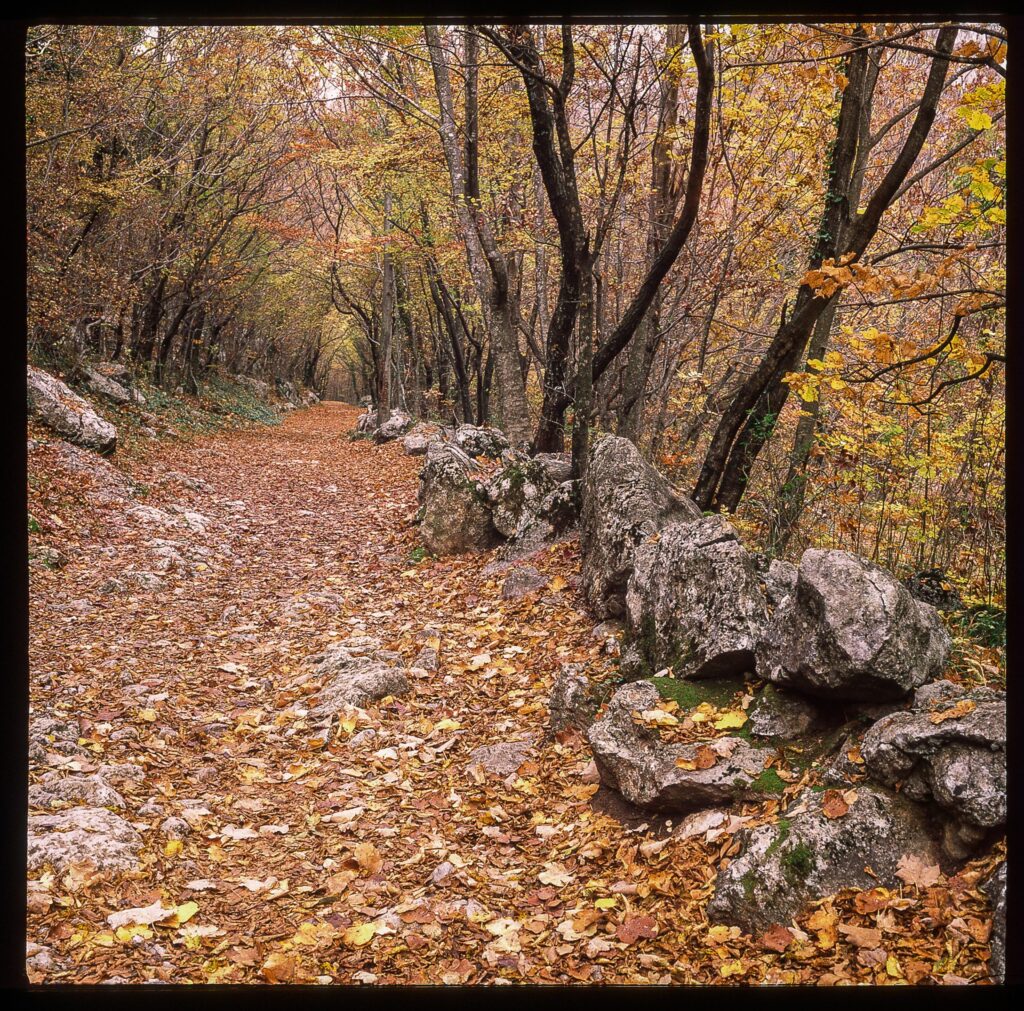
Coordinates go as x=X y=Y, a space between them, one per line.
x=632 y=930
x=776 y=938
x=833 y=804
x=863 y=937
x=914 y=871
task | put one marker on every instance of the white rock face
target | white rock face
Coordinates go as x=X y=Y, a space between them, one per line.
x=82 y=833
x=63 y=410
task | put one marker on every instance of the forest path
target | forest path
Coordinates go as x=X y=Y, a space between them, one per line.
x=378 y=856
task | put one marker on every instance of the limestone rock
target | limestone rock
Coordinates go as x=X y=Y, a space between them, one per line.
x=570 y=704
x=394 y=428
x=959 y=762
x=112 y=389
x=57 y=406
x=478 y=441
x=456 y=513
x=522 y=581
x=502 y=759
x=777 y=713
x=516 y=492
x=358 y=672
x=625 y=500
x=695 y=600
x=632 y=760
x=419 y=437
x=850 y=631
x=779 y=577
x=807 y=856
x=56 y=791
x=79 y=834
x=553 y=520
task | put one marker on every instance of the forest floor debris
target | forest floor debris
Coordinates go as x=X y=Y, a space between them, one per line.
x=375 y=850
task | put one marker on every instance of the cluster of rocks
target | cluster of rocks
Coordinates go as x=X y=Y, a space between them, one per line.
x=57 y=406
x=842 y=645
x=74 y=816
x=476 y=492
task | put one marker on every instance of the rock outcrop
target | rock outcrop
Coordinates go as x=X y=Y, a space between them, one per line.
x=668 y=777
x=394 y=428
x=502 y=759
x=456 y=513
x=480 y=441
x=695 y=600
x=59 y=408
x=571 y=704
x=625 y=500
x=358 y=671
x=807 y=856
x=515 y=493
x=777 y=713
x=950 y=748
x=419 y=437
x=850 y=631
x=553 y=519
x=82 y=834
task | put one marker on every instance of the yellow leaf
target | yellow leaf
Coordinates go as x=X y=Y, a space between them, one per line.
x=359 y=935
x=173 y=848
x=606 y=903
x=557 y=584
x=134 y=930
x=731 y=720
x=734 y=968
x=892 y=967
x=447 y=724
x=149 y=715
x=185 y=912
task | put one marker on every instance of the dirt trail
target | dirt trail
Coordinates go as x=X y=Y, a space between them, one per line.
x=375 y=856
x=307 y=540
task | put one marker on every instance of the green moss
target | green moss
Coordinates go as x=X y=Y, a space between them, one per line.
x=769 y=782
x=418 y=554
x=781 y=837
x=718 y=692
x=748 y=881
x=33 y=524
x=798 y=862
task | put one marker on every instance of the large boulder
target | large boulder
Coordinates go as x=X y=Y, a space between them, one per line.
x=779 y=577
x=648 y=772
x=625 y=500
x=553 y=519
x=105 y=386
x=394 y=428
x=850 y=630
x=456 y=514
x=82 y=834
x=419 y=437
x=357 y=671
x=571 y=703
x=695 y=601
x=57 y=406
x=516 y=492
x=808 y=856
x=783 y=715
x=478 y=441
x=950 y=748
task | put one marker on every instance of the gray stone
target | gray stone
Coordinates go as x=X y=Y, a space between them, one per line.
x=850 y=631
x=779 y=579
x=553 y=520
x=784 y=866
x=502 y=759
x=104 y=386
x=48 y=556
x=80 y=834
x=516 y=492
x=634 y=761
x=557 y=465
x=625 y=500
x=695 y=601
x=358 y=672
x=995 y=888
x=479 y=441
x=781 y=714
x=570 y=704
x=56 y=791
x=456 y=512
x=960 y=762
x=521 y=582
x=57 y=406
x=394 y=428
x=416 y=442
x=175 y=828
x=426 y=659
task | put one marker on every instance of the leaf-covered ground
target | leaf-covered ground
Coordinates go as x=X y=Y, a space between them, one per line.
x=376 y=857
